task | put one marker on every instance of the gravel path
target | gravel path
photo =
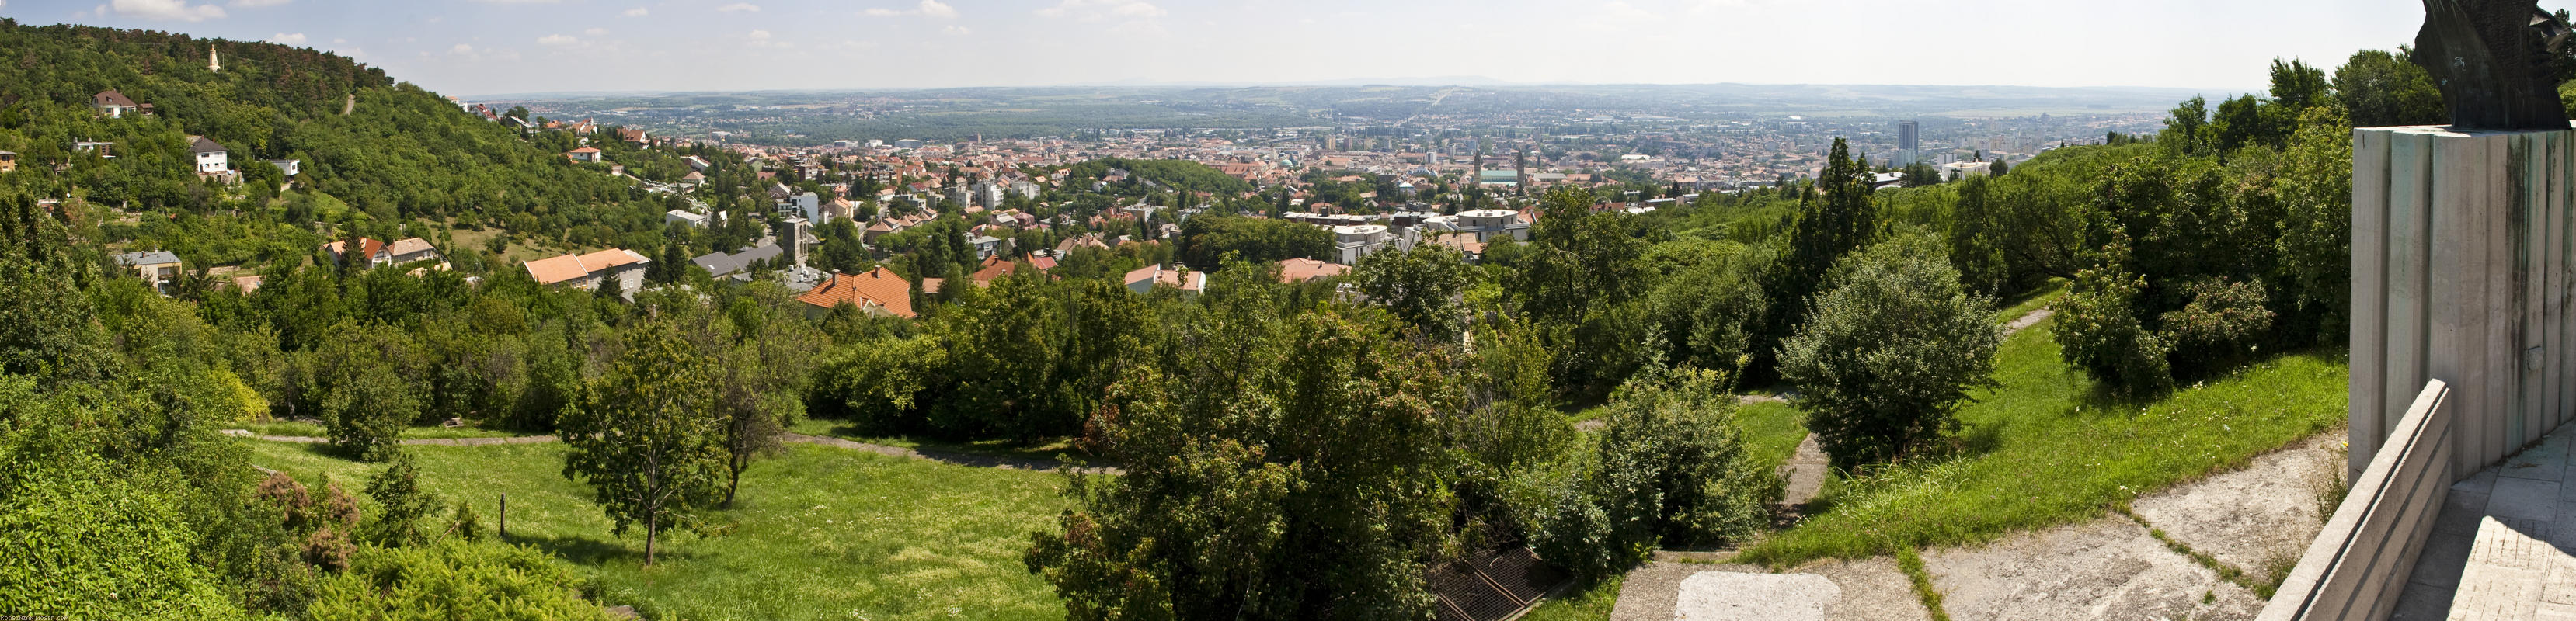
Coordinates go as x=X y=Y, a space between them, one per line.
x=962 y=459
x=2028 y=320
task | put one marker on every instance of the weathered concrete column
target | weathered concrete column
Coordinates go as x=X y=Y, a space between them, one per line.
x=2460 y=257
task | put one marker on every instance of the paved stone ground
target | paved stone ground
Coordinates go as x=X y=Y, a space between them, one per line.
x=1804 y=475
x=2504 y=546
x=2257 y=518
x=1731 y=596
x=2104 y=569
x=2027 y=320
x=1868 y=590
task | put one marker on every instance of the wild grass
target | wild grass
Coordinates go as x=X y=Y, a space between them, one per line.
x=818 y=533
x=2046 y=447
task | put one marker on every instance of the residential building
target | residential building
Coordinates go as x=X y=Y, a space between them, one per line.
x=587 y=271
x=8 y=161
x=694 y=180
x=212 y=158
x=878 y=292
x=105 y=150
x=737 y=266
x=376 y=252
x=1486 y=224
x=413 y=249
x=158 y=268
x=585 y=155
x=1955 y=171
x=115 y=105
x=685 y=217
x=986 y=246
x=290 y=167
x=1177 y=277
x=1302 y=270
x=1353 y=242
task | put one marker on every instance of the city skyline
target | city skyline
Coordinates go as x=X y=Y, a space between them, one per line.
x=484 y=47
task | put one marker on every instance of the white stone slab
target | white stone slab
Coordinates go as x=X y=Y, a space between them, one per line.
x=1729 y=596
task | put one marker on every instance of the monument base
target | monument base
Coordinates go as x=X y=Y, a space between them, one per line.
x=2461 y=256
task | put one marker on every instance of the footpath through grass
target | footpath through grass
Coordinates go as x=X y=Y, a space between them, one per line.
x=2045 y=448
x=818 y=533
x=295 y=428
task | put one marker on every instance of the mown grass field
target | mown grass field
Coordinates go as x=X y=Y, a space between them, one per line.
x=2047 y=448
x=1045 y=451
x=1772 y=430
x=818 y=533
x=294 y=428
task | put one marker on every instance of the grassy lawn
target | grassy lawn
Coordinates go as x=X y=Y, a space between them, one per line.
x=2043 y=295
x=1588 y=604
x=294 y=428
x=1047 y=451
x=2045 y=449
x=818 y=533
x=1772 y=430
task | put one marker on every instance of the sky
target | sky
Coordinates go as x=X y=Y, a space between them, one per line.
x=487 y=47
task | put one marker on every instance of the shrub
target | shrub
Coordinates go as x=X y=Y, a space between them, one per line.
x=400 y=503
x=454 y=579
x=1669 y=468
x=1889 y=353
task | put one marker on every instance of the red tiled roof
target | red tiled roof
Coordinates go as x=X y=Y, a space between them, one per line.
x=880 y=287
x=1302 y=270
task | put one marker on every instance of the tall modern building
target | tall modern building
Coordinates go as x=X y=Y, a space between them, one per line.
x=1909 y=147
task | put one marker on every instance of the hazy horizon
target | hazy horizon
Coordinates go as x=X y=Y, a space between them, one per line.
x=534 y=46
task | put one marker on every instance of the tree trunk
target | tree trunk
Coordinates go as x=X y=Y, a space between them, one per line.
x=652 y=529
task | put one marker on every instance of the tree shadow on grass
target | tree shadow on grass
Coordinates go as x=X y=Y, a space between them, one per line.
x=595 y=551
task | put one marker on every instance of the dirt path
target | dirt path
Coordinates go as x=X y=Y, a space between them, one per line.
x=2027 y=320
x=962 y=459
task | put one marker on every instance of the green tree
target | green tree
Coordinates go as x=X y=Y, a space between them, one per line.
x=1890 y=354
x=364 y=398
x=1668 y=469
x=2297 y=85
x=1842 y=220
x=646 y=435
x=1581 y=284
x=1262 y=490
x=400 y=502
x=1424 y=286
x=2384 y=89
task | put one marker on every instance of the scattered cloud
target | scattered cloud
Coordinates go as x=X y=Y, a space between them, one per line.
x=168 y=10
x=637 y=12
x=461 y=49
x=927 y=8
x=956 y=31
x=1096 y=10
x=558 y=40
x=596 y=32
x=287 y=38
x=253 y=4
x=739 y=7
x=759 y=35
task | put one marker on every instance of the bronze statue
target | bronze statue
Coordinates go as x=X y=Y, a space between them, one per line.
x=2497 y=62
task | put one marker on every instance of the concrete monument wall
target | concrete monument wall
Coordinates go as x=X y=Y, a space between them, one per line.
x=2461 y=259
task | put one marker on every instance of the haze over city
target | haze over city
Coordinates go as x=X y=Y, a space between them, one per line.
x=488 y=47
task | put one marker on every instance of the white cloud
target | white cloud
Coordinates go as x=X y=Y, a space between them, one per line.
x=287 y=38
x=955 y=30
x=759 y=35
x=461 y=49
x=739 y=7
x=168 y=9
x=1095 y=10
x=558 y=40
x=927 y=8
x=253 y=4
x=595 y=32
x=637 y=12
x=516 y=1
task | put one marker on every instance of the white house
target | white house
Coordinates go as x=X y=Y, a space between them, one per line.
x=211 y=156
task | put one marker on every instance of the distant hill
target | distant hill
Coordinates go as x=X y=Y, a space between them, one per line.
x=399 y=153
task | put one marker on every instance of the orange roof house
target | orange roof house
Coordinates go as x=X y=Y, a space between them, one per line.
x=1302 y=270
x=584 y=271
x=878 y=291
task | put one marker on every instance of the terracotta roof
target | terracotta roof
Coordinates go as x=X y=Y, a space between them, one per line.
x=583 y=150
x=879 y=287
x=551 y=270
x=1302 y=270
x=556 y=269
x=367 y=246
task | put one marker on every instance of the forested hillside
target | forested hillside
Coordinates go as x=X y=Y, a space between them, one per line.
x=389 y=152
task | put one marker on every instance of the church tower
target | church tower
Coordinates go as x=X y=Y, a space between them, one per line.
x=214 y=61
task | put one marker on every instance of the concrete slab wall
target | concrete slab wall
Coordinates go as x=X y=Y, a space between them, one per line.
x=2358 y=564
x=2461 y=251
